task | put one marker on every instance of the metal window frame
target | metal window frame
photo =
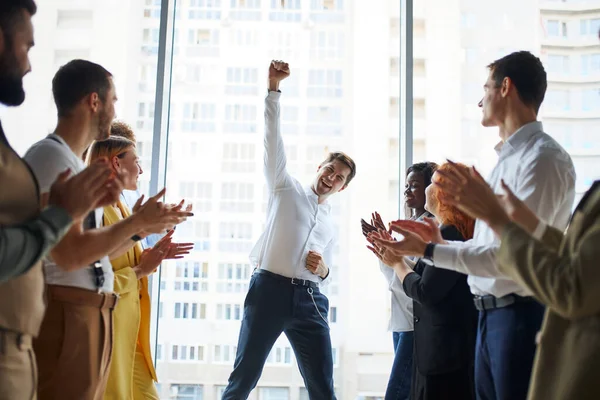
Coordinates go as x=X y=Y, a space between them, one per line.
x=160 y=136
x=405 y=146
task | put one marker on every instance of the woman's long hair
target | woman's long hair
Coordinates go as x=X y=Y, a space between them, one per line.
x=109 y=148
x=450 y=215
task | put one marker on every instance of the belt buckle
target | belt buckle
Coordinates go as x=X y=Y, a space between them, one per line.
x=294 y=281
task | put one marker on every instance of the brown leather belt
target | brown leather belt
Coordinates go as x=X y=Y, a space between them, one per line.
x=82 y=297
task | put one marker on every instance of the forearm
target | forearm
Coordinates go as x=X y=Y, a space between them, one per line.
x=274 y=158
x=21 y=246
x=468 y=260
x=122 y=249
x=81 y=248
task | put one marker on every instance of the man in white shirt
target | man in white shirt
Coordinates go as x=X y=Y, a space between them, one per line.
x=292 y=257
x=74 y=345
x=541 y=173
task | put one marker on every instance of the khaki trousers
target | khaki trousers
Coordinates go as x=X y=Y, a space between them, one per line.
x=74 y=347
x=18 y=371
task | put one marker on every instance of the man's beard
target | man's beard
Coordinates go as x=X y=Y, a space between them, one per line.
x=11 y=83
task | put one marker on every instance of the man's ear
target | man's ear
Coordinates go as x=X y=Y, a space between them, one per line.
x=343 y=187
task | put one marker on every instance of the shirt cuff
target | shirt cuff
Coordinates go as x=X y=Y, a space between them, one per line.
x=57 y=218
x=540 y=229
x=273 y=95
x=444 y=256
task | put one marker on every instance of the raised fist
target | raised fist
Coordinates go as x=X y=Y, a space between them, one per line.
x=278 y=71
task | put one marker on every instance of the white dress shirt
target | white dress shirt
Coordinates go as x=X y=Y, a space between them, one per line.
x=296 y=222
x=401 y=318
x=541 y=173
x=47 y=159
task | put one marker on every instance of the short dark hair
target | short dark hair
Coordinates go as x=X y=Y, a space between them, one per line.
x=77 y=79
x=122 y=129
x=527 y=74
x=344 y=158
x=427 y=169
x=11 y=14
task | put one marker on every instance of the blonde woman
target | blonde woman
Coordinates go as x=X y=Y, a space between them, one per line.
x=132 y=373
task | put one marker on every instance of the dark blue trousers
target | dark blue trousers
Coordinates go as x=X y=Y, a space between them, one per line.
x=505 y=350
x=274 y=306
x=401 y=376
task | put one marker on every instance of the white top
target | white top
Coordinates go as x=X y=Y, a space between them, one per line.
x=48 y=158
x=401 y=319
x=541 y=173
x=296 y=222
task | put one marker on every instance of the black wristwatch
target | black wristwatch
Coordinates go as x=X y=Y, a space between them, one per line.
x=429 y=251
x=136 y=238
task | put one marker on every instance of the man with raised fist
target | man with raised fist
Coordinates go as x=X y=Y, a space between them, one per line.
x=292 y=259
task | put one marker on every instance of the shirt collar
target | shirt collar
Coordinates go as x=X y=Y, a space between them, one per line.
x=520 y=137
x=313 y=196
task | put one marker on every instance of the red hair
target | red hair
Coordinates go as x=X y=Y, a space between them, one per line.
x=448 y=214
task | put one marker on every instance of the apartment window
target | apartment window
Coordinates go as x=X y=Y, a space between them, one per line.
x=235 y=237
x=590 y=99
x=327 y=45
x=199 y=194
x=244 y=38
x=238 y=157
x=152 y=9
x=558 y=64
x=245 y=10
x=181 y=391
x=394 y=107
x=233 y=277
x=333 y=288
x=160 y=306
x=324 y=83
x=240 y=118
x=273 y=393
x=394 y=67
x=555 y=28
x=327 y=11
x=303 y=394
x=289 y=119
x=224 y=353
x=467 y=20
x=150 y=41
x=288 y=11
x=159 y=351
x=325 y=120
x=333 y=314
x=242 y=81
x=589 y=27
x=237 y=197
x=284 y=46
x=205 y=9
x=190 y=311
x=147 y=77
x=229 y=312
x=590 y=64
x=203 y=37
x=191 y=276
x=558 y=100
x=145 y=120
x=280 y=355
x=334 y=355
x=395 y=28
x=199 y=117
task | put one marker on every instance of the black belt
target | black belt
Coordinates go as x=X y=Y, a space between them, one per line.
x=490 y=302
x=293 y=281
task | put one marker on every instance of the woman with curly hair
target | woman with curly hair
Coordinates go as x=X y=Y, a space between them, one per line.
x=445 y=318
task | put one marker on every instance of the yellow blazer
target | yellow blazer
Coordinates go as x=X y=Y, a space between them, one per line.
x=563 y=272
x=131 y=317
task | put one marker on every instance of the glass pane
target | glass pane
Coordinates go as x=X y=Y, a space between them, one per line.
x=569 y=112
x=216 y=128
